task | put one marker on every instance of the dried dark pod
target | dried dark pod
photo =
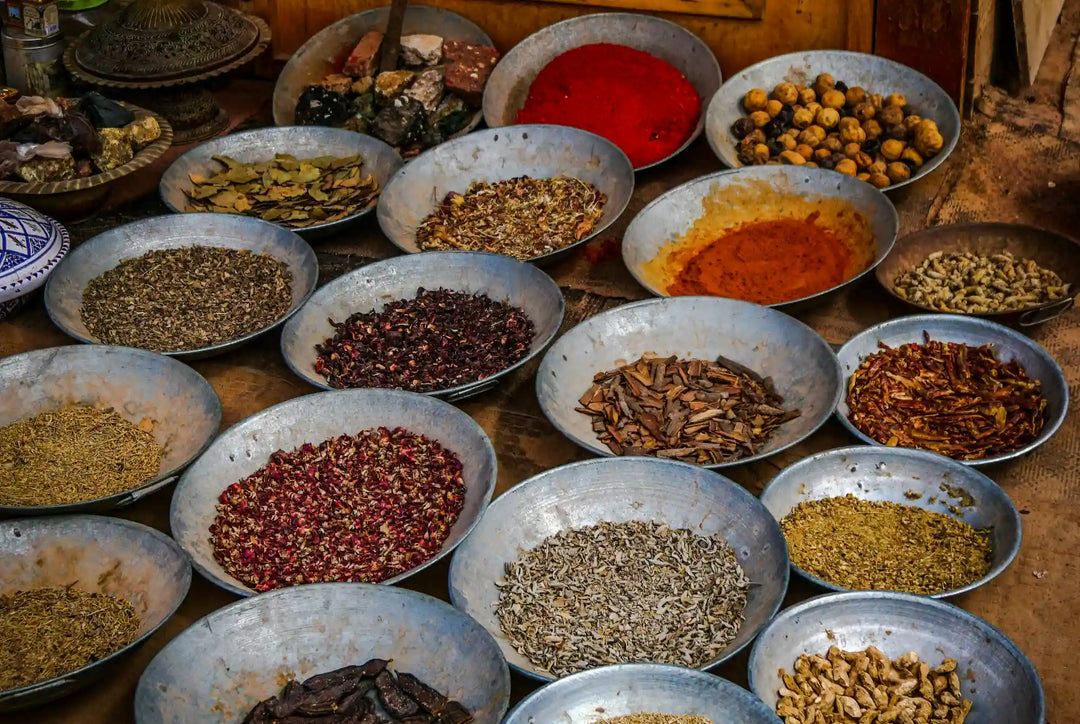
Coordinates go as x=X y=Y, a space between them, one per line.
x=742 y=127
x=455 y=713
x=841 y=86
x=261 y=714
x=289 y=701
x=429 y=699
x=357 y=704
x=321 y=703
x=746 y=156
x=397 y=703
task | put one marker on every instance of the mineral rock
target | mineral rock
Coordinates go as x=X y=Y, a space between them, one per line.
x=391 y=84
x=399 y=123
x=427 y=88
x=364 y=58
x=423 y=50
x=115 y=149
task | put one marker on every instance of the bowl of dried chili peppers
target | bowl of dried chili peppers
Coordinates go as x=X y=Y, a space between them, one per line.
x=449 y=324
x=329 y=653
x=638 y=80
x=361 y=486
x=963 y=387
x=533 y=193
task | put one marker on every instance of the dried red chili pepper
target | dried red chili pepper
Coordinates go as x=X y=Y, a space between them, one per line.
x=946 y=397
x=362 y=509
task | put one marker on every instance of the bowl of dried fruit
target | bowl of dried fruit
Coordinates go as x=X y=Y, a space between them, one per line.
x=449 y=324
x=963 y=387
x=314 y=181
x=877 y=518
x=894 y=655
x=79 y=593
x=706 y=380
x=616 y=561
x=340 y=652
x=366 y=486
x=858 y=114
x=1009 y=273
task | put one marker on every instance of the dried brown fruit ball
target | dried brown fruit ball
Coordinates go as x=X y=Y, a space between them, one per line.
x=864 y=112
x=756 y=136
x=850 y=149
x=742 y=127
x=846 y=167
x=792 y=158
x=803 y=118
x=760 y=118
x=873 y=129
x=832 y=142
x=786 y=93
x=891 y=115
x=892 y=149
x=898 y=172
x=898 y=132
x=761 y=152
x=789 y=142
x=878 y=166
x=855 y=96
x=854 y=134
x=823 y=83
x=773 y=108
x=912 y=158
x=862 y=160
x=880 y=180
x=833 y=99
x=896 y=99
x=848 y=122
x=927 y=139
x=877 y=100
x=827 y=118
x=808 y=138
x=822 y=154
x=805 y=151
x=864 y=176
x=755 y=100
x=746 y=156
x=807 y=96
x=813 y=107
x=910 y=122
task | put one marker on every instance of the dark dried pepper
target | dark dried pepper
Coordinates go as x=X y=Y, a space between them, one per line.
x=289 y=701
x=397 y=703
x=430 y=700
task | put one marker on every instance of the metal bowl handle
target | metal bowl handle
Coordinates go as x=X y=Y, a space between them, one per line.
x=477 y=389
x=1045 y=314
x=137 y=495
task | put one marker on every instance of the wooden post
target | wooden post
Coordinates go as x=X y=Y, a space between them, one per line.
x=391 y=44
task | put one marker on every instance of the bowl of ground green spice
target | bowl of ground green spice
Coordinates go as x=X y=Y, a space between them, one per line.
x=188 y=286
x=872 y=518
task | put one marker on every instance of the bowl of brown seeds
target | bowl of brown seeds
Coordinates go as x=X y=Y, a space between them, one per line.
x=77 y=593
x=874 y=518
x=1010 y=273
x=188 y=286
x=624 y=560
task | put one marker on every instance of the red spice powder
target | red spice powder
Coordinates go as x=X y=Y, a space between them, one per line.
x=638 y=102
x=767 y=262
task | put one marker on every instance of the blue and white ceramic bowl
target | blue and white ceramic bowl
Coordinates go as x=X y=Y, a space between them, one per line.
x=31 y=245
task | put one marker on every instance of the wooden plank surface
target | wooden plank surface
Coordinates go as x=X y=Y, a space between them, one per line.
x=928 y=35
x=715 y=8
x=1033 y=22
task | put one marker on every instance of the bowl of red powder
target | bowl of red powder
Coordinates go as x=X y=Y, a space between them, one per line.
x=637 y=80
x=772 y=235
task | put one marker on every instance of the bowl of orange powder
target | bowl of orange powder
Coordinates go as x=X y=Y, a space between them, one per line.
x=772 y=235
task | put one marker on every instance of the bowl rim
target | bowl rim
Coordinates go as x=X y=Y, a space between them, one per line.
x=305 y=247
x=234 y=586
x=692 y=38
x=160 y=480
x=884 y=248
x=1004 y=226
x=173 y=175
x=641 y=670
x=927 y=168
x=824 y=600
x=524 y=128
x=947 y=464
x=146 y=156
x=931 y=321
x=718 y=479
x=329 y=291
x=59 y=682
x=596 y=448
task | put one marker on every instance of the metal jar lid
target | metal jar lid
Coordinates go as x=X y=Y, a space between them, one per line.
x=15 y=40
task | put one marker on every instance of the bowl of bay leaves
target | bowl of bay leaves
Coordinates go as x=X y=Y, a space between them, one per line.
x=314 y=181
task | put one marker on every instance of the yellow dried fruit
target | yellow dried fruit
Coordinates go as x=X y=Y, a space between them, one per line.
x=805 y=151
x=892 y=149
x=850 y=149
x=786 y=93
x=809 y=138
x=912 y=157
x=910 y=122
x=891 y=116
x=873 y=129
x=792 y=158
x=898 y=172
x=832 y=142
x=877 y=167
x=789 y=142
x=807 y=96
x=773 y=108
x=827 y=118
x=864 y=112
x=755 y=100
x=855 y=96
x=863 y=176
x=896 y=99
x=760 y=118
x=927 y=138
x=803 y=118
x=853 y=134
x=822 y=154
x=823 y=83
x=833 y=99
x=818 y=131
x=847 y=167
x=880 y=180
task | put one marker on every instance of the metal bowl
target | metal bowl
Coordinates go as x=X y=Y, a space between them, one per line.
x=801 y=364
x=616 y=491
x=379 y=160
x=376 y=285
x=246 y=446
x=136 y=384
x=1008 y=344
x=496 y=154
x=624 y=689
x=887 y=474
x=326 y=51
x=994 y=674
x=100 y=555
x=509 y=84
x=298 y=632
x=91 y=259
x=874 y=73
x=760 y=193
x=1050 y=250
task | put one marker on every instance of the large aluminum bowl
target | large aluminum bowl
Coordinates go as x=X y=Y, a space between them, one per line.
x=303 y=142
x=994 y=674
x=246 y=446
x=183 y=406
x=801 y=364
x=247 y=650
x=872 y=72
x=624 y=689
x=326 y=51
x=497 y=154
x=509 y=84
x=99 y=555
x=616 y=491
x=64 y=290
x=376 y=285
x=745 y=195
x=888 y=474
x=1008 y=345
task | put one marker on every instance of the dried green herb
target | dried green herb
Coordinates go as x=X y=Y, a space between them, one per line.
x=657 y=719
x=866 y=545
x=75 y=454
x=48 y=632
x=520 y=217
x=286 y=190
x=172 y=300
